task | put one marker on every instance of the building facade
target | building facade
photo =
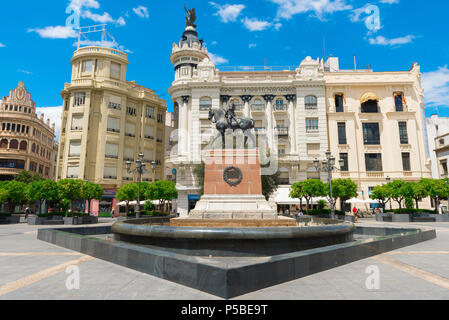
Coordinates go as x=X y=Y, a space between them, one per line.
x=27 y=142
x=437 y=128
x=374 y=121
x=107 y=121
x=377 y=125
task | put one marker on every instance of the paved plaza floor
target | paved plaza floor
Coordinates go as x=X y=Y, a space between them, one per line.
x=31 y=269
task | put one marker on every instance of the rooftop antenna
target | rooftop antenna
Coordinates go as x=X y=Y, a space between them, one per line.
x=105 y=35
x=355 y=63
x=265 y=63
x=324 y=48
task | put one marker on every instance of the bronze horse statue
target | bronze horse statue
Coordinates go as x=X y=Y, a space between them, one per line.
x=225 y=120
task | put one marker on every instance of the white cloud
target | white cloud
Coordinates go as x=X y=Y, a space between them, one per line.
x=216 y=59
x=25 y=71
x=2 y=45
x=255 y=24
x=289 y=8
x=79 y=4
x=389 y=1
x=382 y=41
x=252 y=45
x=436 y=86
x=55 y=32
x=54 y=114
x=103 y=18
x=142 y=12
x=228 y=12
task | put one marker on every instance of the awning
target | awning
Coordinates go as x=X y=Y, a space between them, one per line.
x=369 y=96
x=282 y=196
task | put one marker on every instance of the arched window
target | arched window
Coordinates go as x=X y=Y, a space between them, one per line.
x=280 y=105
x=205 y=104
x=23 y=145
x=370 y=103
x=237 y=103
x=4 y=144
x=311 y=102
x=14 y=144
x=33 y=148
x=258 y=105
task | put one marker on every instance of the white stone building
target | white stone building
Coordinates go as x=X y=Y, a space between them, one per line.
x=436 y=127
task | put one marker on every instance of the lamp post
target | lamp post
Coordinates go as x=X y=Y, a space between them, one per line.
x=388 y=181
x=328 y=165
x=140 y=169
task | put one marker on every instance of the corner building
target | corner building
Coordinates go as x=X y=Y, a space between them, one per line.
x=107 y=121
x=27 y=142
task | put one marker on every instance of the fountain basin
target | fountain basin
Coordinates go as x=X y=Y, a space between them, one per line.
x=233 y=242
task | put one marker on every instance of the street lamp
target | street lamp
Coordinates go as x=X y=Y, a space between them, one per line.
x=140 y=169
x=388 y=181
x=328 y=165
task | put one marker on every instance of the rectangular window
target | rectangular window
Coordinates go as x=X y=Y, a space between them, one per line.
x=129 y=154
x=313 y=149
x=148 y=155
x=403 y=136
x=371 y=134
x=130 y=130
x=115 y=70
x=75 y=149
x=406 y=161
x=149 y=132
x=87 y=66
x=344 y=157
x=160 y=117
x=444 y=167
x=149 y=112
x=73 y=171
x=77 y=122
x=373 y=162
x=342 y=133
x=311 y=125
x=112 y=150
x=398 y=102
x=80 y=98
x=110 y=172
x=113 y=124
x=131 y=111
x=339 y=103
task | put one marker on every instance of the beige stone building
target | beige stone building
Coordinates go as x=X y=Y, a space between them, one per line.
x=374 y=121
x=27 y=142
x=376 y=125
x=107 y=121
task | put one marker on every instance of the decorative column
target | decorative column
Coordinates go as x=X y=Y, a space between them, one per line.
x=270 y=128
x=224 y=100
x=292 y=129
x=185 y=125
x=246 y=99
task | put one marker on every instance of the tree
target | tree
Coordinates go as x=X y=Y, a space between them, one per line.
x=91 y=191
x=269 y=184
x=381 y=193
x=3 y=195
x=127 y=193
x=308 y=189
x=163 y=191
x=40 y=190
x=344 y=189
x=397 y=191
x=297 y=192
x=70 y=189
x=27 y=177
x=15 y=193
x=437 y=189
x=419 y=192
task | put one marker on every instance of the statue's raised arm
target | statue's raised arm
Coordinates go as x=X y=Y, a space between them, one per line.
x=190 y=17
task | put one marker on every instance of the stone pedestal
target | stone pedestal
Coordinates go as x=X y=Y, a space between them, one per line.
x=233 y=189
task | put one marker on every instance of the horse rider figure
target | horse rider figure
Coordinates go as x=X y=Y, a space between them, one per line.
x=231 y=117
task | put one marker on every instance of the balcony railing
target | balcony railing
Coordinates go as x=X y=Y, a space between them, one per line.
x=280 y=107
x=149 y=137
x=130 y=135
x=282 y=131
x=110 y=177
x=256 y=107
x=115 y=106
x=110 y=156
x=113 y=130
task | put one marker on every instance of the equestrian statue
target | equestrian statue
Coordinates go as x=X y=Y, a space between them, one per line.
x=225 y=120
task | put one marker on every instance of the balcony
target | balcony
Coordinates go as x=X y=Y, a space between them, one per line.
x=280 y=108
x=110 y=156
x=149 y=137
x=132 y=135
x=282 y=131
x=115 y=106
x=258 y=109
x=113 y=130
x=110 y=177
x=128 y=159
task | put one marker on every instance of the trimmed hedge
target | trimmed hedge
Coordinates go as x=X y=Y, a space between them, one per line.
x=409 y=211
x=315 y=212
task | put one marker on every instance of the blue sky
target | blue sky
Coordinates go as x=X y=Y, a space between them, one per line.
x=36 y=46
